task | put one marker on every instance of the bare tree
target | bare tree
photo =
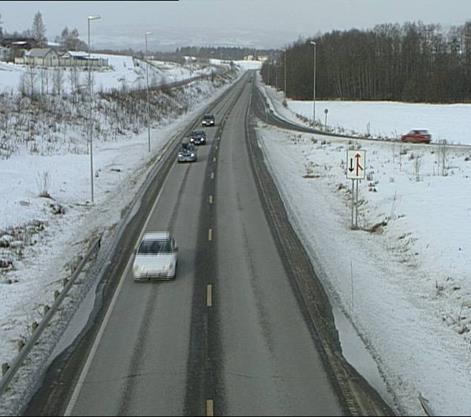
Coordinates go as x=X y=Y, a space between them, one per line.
x=442 y=157
x=58 y=81
x=74 y=76
x=44 y=77
x=28 y=82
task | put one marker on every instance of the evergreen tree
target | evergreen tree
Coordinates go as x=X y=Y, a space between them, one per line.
x=38 y=30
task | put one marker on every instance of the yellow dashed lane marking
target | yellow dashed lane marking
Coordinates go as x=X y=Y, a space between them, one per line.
x=209 y=295
x=210 y=408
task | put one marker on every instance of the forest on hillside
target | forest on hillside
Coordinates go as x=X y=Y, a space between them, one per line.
x=413 y=62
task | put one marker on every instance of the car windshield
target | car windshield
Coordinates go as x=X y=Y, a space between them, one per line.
x=208 y=117
x=155 y=247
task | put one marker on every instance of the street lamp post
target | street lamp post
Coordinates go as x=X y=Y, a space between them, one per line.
x=276 y=75
x=286 y=91
x=314 y=87
x=90 y=121
x=148 y=108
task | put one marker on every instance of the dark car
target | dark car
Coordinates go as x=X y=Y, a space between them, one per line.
x=187 y=153
x=208 y=120
x=417 y=136
x=198 y=137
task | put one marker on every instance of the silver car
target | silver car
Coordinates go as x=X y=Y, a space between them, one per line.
x=208 y=120
x=187 y=153
x=156 y=257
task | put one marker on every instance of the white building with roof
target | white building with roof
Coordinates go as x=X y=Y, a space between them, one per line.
x=49 y=57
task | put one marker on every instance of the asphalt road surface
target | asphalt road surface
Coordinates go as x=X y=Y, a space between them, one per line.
x=227 y=337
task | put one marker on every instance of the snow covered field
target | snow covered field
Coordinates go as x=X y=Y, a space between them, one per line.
x=450 y=122
x=39 y=236
x=404 y=285
x=123 y=72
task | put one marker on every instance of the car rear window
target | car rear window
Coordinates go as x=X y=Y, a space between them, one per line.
x=154 y=247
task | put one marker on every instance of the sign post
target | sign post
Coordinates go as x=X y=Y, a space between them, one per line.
x=356 y=163
x=326 y=111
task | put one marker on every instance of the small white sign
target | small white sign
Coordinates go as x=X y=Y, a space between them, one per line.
x=356 y=165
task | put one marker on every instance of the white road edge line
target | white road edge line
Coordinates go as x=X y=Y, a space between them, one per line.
x=91 y=356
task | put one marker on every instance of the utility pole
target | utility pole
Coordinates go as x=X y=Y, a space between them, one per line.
x=90 y=121
x=148 y=107
x=286 y=91
x=314 y=87
x=276 y=75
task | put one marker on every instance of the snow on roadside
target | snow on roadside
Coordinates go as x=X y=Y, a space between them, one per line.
x=411 y=298
x=52 y=240
x=380 y=119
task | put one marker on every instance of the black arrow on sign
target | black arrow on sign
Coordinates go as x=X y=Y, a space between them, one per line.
x=351 y=169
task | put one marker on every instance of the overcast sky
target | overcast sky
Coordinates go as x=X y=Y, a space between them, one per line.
x=255 y=23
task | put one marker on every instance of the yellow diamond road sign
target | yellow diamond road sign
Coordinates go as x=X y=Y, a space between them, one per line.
x=356 y=164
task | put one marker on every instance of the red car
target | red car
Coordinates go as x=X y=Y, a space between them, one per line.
x=417 y=136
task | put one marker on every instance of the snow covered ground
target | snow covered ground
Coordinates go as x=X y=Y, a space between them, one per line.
x=450 y=122
x=380 y=119
x=123 y=72
x=405 y=285
x=41 y=235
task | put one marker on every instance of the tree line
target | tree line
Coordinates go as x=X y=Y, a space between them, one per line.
x=222 y=52
x=413 y=62
x=68 y=39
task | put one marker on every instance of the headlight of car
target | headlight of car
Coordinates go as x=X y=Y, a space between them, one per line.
x=192 y=155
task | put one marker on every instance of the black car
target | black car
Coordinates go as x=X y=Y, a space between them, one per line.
x=208 y=120
x=198 y=137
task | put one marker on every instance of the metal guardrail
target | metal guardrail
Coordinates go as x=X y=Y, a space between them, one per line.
x=425 y=406
x=10 y=370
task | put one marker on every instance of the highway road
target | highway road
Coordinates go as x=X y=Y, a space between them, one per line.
x=229 y=335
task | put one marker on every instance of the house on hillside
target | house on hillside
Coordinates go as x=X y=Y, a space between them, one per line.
x=41 y=57
x=82 y=59
x=16 y=47
x=49 y=57
x=4 y=54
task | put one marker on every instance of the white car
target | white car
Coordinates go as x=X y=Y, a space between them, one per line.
x=156 y=257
